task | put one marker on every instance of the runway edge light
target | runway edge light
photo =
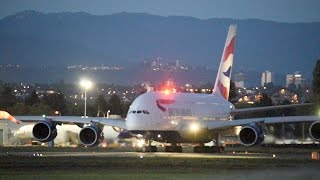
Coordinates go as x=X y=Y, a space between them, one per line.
x=314 y=155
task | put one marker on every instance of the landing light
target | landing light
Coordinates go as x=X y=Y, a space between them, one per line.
x=140 y=143
x=173 y=122
x=194 y=127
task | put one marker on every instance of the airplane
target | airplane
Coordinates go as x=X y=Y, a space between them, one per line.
x=176 y=117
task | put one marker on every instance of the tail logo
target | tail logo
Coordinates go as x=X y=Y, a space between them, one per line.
x=228 y=72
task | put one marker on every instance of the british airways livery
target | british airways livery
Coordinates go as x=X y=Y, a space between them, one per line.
x=175 y=117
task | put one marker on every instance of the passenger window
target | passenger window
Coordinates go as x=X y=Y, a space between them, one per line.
x=144 y=112
x=133 y=111
x=147 y=112
x=138 y=112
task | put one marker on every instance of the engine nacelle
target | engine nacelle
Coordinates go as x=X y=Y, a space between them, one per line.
x=251 y=135
x=91 y=135
x=314 y=130
x=44 y=131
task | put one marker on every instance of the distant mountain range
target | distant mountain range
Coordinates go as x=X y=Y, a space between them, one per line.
x=35 y=39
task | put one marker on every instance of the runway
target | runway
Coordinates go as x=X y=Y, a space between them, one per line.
x=159 y=165
x=230 y=155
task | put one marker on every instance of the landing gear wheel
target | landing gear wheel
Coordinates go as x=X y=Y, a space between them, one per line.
x=147 y=149
x=218 y=149
x=151 y=149
x=208 y=149
x=173 y=149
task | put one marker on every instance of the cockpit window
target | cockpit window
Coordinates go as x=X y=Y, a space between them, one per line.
x=145 y=112
x=139 y=112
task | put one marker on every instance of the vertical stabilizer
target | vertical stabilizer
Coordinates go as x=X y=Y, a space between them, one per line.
x=222 y=84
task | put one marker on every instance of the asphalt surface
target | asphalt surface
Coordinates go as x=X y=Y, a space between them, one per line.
x=225 y=170
x=233 y=155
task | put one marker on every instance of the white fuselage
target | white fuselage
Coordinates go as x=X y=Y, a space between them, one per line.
x=157 y=111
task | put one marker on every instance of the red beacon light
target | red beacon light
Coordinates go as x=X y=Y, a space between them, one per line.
x=166 y=91
x=168 y=88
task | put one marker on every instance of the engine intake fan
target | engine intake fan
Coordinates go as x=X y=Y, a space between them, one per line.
x=91 y=135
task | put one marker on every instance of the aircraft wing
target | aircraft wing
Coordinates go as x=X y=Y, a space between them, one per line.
x=266 y=108
x=121 y=123
x=213 y=125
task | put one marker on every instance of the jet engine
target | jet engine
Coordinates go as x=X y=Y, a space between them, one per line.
x=91 y=135
x=314 y=130
x=44 y=131
x=251 y=135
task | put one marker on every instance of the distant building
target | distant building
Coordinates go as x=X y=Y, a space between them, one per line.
x=266 y=78
x=239 y=80
x=158 y=64
x=177 y=63
x=295 y=80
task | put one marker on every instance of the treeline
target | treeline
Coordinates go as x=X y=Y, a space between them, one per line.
x=265 y=100
x=56 y=104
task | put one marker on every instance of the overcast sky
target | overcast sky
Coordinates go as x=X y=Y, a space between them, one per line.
x=276 y=10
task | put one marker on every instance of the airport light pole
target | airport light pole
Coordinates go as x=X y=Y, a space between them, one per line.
x=86 y=84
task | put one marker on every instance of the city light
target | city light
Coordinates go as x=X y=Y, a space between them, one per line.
x=57 y=113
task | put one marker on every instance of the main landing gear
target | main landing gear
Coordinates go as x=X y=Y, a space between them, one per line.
x=208 y=149
x=218 y=148
x=146 y=148
x=173 y=148
x=149 y=149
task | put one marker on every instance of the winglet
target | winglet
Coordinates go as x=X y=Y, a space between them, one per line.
x=222 y=84
x=6 y=115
